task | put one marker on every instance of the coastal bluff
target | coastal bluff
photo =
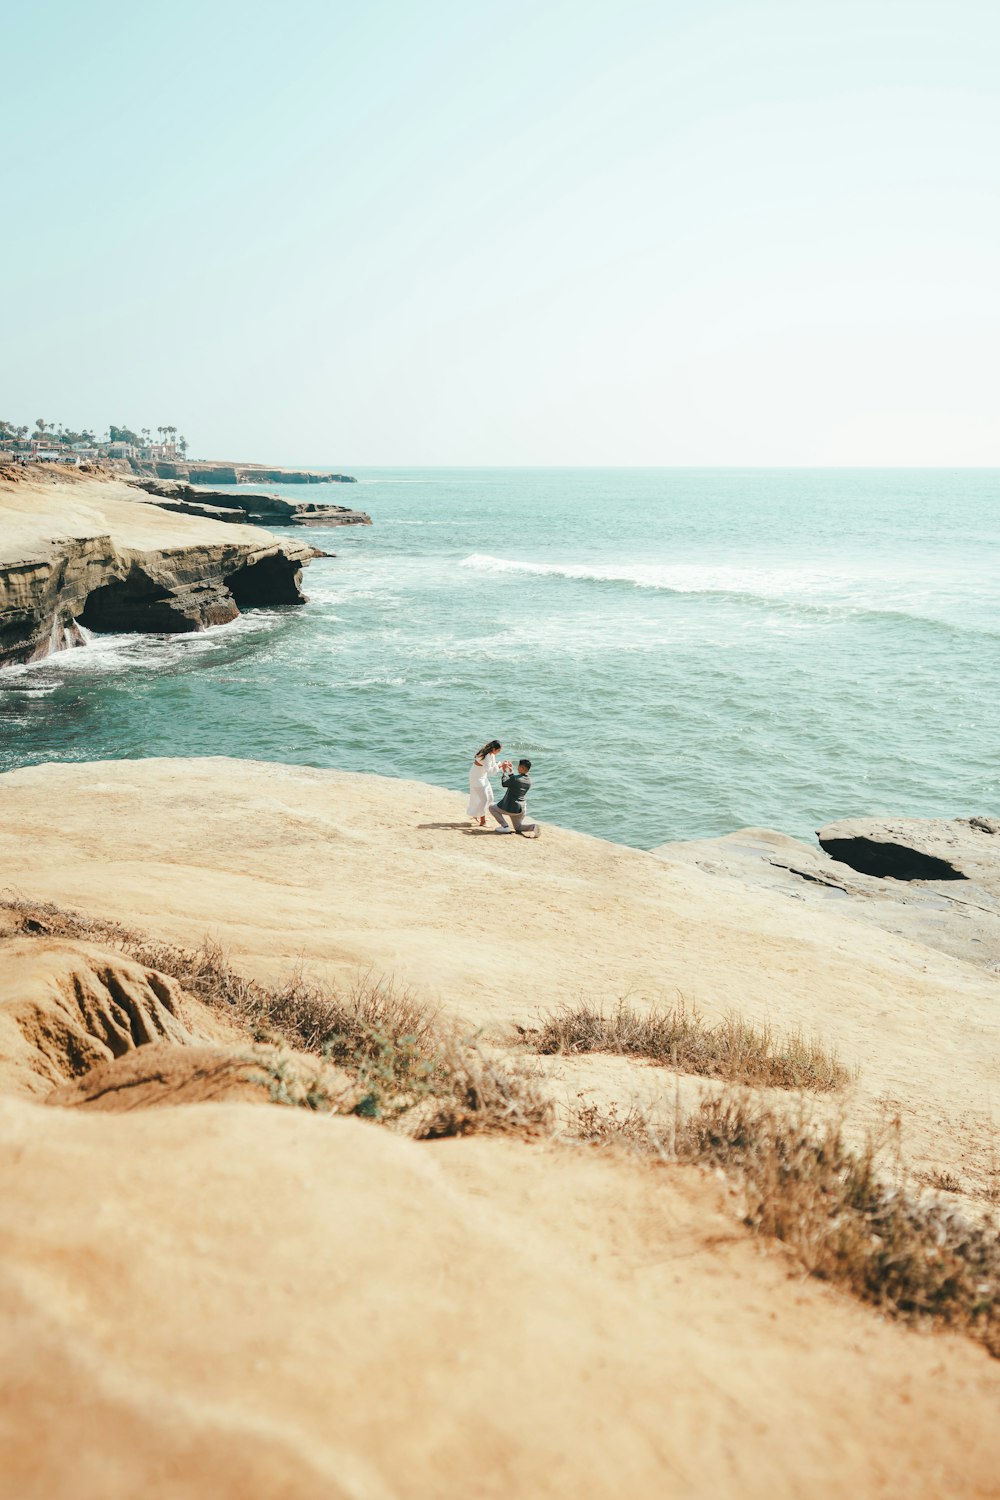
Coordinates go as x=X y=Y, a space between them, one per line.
x=222 y=471
x=246 y=506
x=222 y=1296
x=82 y=550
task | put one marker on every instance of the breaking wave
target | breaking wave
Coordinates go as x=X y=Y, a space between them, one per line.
x=791 y=590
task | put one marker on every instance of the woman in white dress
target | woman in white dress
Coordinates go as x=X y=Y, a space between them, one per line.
x=480 y=791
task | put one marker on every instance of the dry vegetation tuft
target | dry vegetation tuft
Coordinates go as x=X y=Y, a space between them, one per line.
x=413 y=1070
x=827 y=1202
x=733 y=1049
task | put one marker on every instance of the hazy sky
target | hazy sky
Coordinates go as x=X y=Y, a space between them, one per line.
x=624 y=232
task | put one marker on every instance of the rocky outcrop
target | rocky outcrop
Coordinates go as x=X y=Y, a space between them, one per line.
x=85 y=556
x=924 y=849
x=246 y=508
x=935 y=881
x=65 y=1008
x=210 y=472
x=91 y=582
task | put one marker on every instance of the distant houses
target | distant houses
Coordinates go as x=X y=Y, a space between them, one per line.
x=50 y=444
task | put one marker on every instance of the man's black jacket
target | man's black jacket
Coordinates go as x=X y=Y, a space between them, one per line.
x=517 y=790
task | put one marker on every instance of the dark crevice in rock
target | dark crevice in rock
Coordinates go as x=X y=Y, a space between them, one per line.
x=273 y=579
x=889 y=861
x=809 y=875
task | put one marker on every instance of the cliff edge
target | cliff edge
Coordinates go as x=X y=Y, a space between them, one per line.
x=81 y=550
x=247 y=506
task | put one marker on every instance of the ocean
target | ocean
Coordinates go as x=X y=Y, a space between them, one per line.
x=680 y=652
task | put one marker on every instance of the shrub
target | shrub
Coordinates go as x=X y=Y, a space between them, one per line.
x=732 y=1049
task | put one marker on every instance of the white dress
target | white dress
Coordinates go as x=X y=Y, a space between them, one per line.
x=480 y=790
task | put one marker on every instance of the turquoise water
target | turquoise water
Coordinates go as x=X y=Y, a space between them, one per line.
x=681 y=653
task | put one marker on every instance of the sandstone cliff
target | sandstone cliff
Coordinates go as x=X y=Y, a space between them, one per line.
x=218 y=471
x=82 y=551
x=247 y=506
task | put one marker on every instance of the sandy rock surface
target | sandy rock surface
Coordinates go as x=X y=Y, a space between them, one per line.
x=66 y=1007
x=231 y=1299
x=161 y=1074
x=36 y=513
x=352 y=874
x=230 y=1302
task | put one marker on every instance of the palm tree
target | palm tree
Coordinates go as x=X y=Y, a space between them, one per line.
x=183 y=446
x=40 y=423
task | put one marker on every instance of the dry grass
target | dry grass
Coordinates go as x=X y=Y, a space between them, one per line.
x=806 y=1187
x=733 y=1049
x=913 y=1259
x=414 y=1070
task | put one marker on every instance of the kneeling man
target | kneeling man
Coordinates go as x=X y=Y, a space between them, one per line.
x=513 y=802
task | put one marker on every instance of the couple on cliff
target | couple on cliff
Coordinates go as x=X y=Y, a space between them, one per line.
x=516 y=786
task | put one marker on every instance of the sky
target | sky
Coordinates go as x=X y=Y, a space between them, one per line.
x=629 y=233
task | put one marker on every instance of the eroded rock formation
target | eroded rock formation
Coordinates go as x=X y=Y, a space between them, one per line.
x=220 y=472
x=86 y=553
x=935 y=881
x=247 y=507
x=917 y=848
x=66 y=1007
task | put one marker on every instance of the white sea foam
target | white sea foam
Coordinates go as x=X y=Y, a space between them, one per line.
x=112 y=653
x=677 y=578
x=812 y=593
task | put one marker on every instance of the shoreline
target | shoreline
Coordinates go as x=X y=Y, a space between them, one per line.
x=935 y=883
x=226 y=471
x=83 y=550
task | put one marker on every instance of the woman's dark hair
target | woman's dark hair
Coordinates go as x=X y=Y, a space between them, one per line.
x=489 y=749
